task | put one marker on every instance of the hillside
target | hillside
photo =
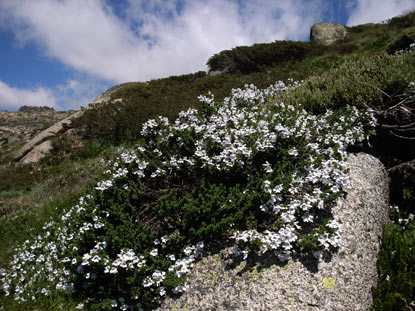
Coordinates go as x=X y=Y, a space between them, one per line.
x=169 y=182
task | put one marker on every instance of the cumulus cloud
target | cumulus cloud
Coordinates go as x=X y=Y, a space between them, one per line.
x=78 y=91
x=152 y=39
x=12 y=98
x=374 y=11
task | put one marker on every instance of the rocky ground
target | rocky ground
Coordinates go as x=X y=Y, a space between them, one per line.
x=16 y=128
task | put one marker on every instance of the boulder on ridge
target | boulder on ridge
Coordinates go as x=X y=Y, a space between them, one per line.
x=327 y=33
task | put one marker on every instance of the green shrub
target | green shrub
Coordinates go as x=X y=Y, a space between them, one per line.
x=396 y=264
x=404 y=20
x=20 y=177
x=226 y=172
x=260 y=57
x=363 y=82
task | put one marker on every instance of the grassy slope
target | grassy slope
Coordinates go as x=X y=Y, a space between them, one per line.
x=28 y=195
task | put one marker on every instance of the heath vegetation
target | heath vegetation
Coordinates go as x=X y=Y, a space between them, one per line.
x=187 y=162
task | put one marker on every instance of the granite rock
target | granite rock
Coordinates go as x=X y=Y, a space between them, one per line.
x=327 y=33
x=342 y=281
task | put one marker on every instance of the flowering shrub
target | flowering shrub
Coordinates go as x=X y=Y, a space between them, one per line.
x=252 y=169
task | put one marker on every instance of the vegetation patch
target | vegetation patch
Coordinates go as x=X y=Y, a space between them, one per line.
x=262 y=56
x=260 y=169
x=251 y=169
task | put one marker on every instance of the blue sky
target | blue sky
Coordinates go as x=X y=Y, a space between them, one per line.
x=63 y=53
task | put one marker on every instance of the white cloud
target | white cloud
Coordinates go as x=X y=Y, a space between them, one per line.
x=12 y=98
x=153 y=39
x=72 y=94
x=375 y=11
x=78 y=92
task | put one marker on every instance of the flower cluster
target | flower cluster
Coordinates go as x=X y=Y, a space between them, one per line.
x=294 y=162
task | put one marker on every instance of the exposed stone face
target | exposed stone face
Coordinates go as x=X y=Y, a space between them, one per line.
x=39 y=146
x=106 y=96
x=38 y=152
x=327 y=33
x=342 y=282
x=18 y=127
x=45 y=135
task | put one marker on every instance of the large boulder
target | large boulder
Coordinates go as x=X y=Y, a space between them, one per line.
x=327 y=33
x=340 y=282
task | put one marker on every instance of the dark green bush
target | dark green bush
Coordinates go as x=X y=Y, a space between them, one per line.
x=259 y=57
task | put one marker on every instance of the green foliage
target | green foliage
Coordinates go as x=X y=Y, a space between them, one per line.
x=396 y=264
x=407 y=194
x=404 y=20
x=363 y=82
x=208 y=212
x=260 y=57
x=2 y=209
x=20 y=177
x=118 y=123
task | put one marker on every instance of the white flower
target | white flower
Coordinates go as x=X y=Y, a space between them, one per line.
x=148 y=282
x=113 y=270
x=267 y=167
x=96 y=258
x=162 y=291
x=158 y=276
x=293 y=152
x=154 y=252
x=308 y=218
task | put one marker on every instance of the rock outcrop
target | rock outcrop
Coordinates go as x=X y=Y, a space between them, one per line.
x=40 y=145
x=106 y=96
x=36 y=109
x=341 y=282
x=327 y=33
x=18 y=127
x=38 y=152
